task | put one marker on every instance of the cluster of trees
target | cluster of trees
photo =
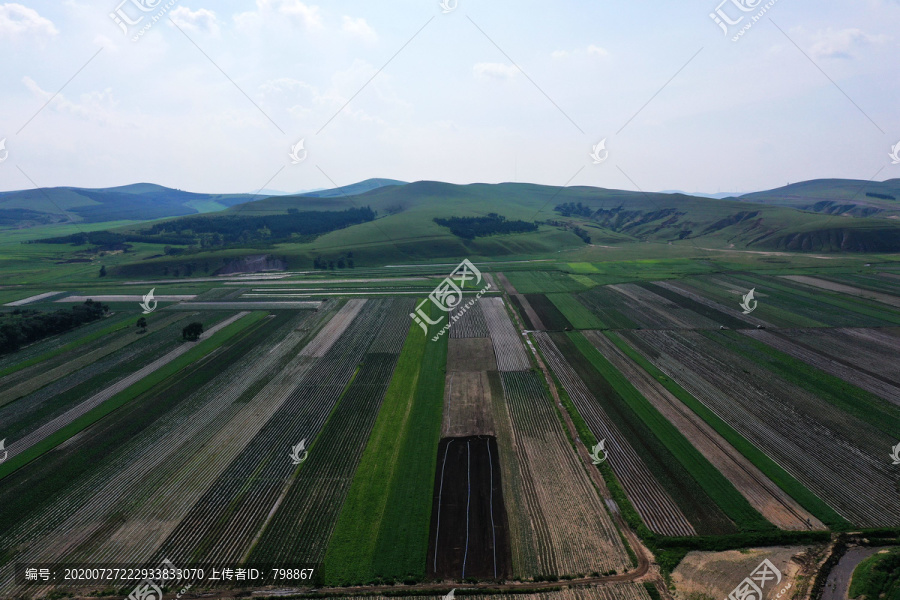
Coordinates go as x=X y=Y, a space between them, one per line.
x=580 y=232
x=341 y=262
x=21 y=327
x=192 y=332
x=882 y=196
x=216 y=231
x=569 y=209
x=470 y=228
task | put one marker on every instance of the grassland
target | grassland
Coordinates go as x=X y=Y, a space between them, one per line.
x=402 y=544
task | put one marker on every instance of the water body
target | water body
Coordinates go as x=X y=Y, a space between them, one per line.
x=838 y=584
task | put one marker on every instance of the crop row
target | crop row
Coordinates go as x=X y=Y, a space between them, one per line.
x=833 y=453
x=656 y=507
x=556 y=517
x=223 y=523
x=510 y=352
x=127 y=470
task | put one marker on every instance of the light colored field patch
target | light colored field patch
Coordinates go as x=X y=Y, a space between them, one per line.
x=583 y=268
x=584 y=280
x=471 y=354
x=841 y=288
x=333 y=330
x=716 y=574
x=467 y=405
x=126 y=298
x=31 y=299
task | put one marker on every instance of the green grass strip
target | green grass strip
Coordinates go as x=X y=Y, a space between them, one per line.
x=863 y=405
x=350 y=556
x=121 y=323
x=576 y=312
x=200 y=350
x=402 y=547
x=856 y=305
x=760 y=460
x=720 y=489
x=877 y=577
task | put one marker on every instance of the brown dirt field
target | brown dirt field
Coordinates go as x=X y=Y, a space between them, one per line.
x=471 y=354
x=510 y=289
x=467 y=404
x=715 y=574
x=841 y=288
x=469 y=533
x=333 y=330
x=764 y=495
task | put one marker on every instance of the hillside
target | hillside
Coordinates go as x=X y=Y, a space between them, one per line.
x=845 y=197
x=435 y=221
x=136 y=202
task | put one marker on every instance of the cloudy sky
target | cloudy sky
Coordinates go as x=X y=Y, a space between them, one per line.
x=213 y=95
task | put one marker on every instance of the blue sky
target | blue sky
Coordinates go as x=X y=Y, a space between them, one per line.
x=488 y=92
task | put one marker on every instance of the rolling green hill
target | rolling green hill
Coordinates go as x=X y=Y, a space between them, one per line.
x=137 y=202
x=406 y=227
x=846 y=197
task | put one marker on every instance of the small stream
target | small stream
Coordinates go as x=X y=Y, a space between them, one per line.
x=838 y=584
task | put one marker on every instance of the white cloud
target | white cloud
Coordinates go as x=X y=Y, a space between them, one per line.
x=591 y=50
x=359 y=28
x=93 y=106
x=598 y=51
x=105 y=43
x=16 y=19
x=841 y=43
x=296 y=11
x=195 y=20
x=495 y=71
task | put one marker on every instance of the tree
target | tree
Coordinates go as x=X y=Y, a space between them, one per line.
x=102 y=270
x=142 y=324
x=192 y=332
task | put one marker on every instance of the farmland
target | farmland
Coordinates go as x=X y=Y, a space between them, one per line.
x=457 y=460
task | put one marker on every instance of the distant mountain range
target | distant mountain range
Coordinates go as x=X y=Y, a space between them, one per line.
x=820 y=215
x=136 y=202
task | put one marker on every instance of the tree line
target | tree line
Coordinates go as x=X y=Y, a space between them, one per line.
x=21 y=327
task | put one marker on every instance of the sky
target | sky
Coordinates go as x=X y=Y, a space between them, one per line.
x=213 y=96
